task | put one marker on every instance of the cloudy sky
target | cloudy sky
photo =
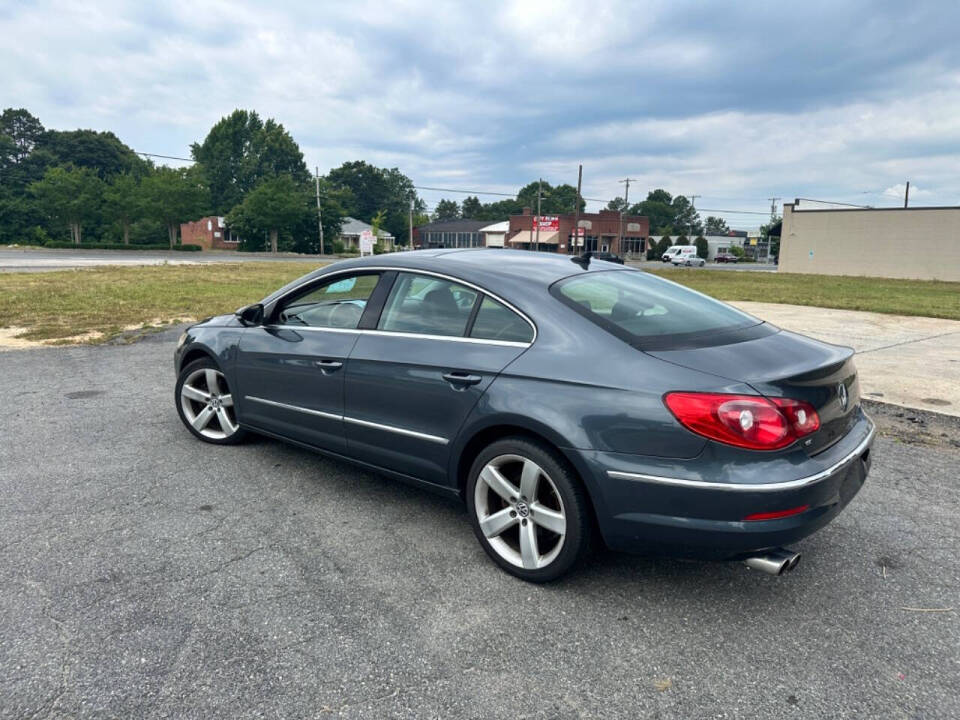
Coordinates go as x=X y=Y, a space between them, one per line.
x=736 y=103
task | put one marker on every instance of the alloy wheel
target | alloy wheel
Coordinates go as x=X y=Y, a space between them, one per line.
x=520 y=511
x=208 y=405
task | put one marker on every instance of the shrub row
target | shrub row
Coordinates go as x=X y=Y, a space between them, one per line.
x=120 y=246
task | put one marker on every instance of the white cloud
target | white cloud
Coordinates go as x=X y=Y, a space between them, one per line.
x=491 y=95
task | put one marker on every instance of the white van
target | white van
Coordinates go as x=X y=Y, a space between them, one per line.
x=672 y=252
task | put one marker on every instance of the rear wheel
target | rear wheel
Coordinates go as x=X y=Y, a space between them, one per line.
x=205 y=403
x=528 y=509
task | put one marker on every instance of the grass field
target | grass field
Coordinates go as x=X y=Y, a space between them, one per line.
x=99 y=304
x=928 y=298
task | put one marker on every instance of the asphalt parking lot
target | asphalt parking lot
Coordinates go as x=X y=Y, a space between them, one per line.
x=145 y=574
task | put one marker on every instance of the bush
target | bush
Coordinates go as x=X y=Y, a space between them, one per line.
x=336 y=247
x=38 y=236
x=703 y=248
x=121 y=246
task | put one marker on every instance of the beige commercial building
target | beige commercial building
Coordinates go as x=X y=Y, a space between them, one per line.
x=918 y=243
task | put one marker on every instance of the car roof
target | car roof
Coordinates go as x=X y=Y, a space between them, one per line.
x=491 y=267
x=510 y=274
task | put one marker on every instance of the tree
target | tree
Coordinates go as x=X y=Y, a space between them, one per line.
x=658 y=209
x=175 y=195
x=22 y=130
x=122 y=202
x=618 y=204
x=716 y=226
x=240 y=151
x=472 y=209
x=664 y=244
x=681 y=240
x=276 y=205
x=558 y=200
x=70 y=195
x=102 y=152
x=685 y=217
x=703 y=247
x=446 y=210
x=375 y=189
x=771 y=233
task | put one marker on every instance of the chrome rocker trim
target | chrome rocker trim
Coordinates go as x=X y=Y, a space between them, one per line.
x=748 y=487
x=354 y=421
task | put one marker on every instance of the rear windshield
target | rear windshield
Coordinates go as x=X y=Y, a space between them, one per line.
x=652 y=313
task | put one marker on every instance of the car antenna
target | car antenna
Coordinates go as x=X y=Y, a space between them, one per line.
x=583 y=260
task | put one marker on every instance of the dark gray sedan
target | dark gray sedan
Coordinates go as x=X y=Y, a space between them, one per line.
x=565 y=401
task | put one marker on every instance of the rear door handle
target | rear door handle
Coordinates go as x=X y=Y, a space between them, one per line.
x=328 y=366
x=461 y=379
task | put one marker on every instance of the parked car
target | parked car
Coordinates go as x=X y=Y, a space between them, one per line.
x=688 y=256
x=726 y=257
x=559 y=398
x=607 y=257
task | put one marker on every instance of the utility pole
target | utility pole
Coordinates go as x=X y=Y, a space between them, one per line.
x=410 y=236
x=536 y=244
x=626 y=203
x=319 y=216
x=906 y=195
x=693 y=206
x=773 y=207
x=576 y=214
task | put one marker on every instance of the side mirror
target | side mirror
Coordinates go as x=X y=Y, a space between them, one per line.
x=251 y=314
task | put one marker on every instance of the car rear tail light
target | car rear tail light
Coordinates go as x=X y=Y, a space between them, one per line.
x=802 y=415
x=747 y=421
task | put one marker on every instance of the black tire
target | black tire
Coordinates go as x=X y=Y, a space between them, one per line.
x=205 y=363
x=578 y=539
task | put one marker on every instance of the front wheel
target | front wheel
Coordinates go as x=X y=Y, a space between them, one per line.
x=528 y=510
x=206 y=405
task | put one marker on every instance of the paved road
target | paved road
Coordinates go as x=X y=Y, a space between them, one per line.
x=33 y=260
x=145 y=574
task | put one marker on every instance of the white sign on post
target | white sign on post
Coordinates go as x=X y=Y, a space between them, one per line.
x=366 y=242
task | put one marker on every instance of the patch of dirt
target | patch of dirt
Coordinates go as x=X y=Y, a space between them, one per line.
x=914 y=427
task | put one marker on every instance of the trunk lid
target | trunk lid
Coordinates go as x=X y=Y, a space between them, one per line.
x=785 y=364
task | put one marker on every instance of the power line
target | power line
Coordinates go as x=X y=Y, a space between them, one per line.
x=166 y=157
x=495 y=193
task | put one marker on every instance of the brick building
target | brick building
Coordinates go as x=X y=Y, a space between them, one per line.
x=210 y=233
x=598 y=231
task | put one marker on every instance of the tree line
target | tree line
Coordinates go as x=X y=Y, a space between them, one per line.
x=83 y=185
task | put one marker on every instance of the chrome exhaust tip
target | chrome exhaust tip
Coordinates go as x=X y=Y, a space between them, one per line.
x=775 y=562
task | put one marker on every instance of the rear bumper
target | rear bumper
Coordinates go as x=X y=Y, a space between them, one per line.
x=685 y=513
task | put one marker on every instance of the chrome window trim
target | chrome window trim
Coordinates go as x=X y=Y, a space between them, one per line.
x=432 y=273
x=354 y=421
x=393 y=333
x=308 y=411
x=747 y=487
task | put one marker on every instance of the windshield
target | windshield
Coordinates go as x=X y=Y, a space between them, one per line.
x=650 y=312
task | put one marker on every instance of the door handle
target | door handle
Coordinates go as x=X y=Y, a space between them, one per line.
x=461 y=379
x=328 y=366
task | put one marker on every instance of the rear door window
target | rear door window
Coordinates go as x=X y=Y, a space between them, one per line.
x=428 y=306
x=652 y=313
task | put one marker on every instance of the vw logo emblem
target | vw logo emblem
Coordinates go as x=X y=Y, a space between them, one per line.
x=842 y=395
x=522 y=509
